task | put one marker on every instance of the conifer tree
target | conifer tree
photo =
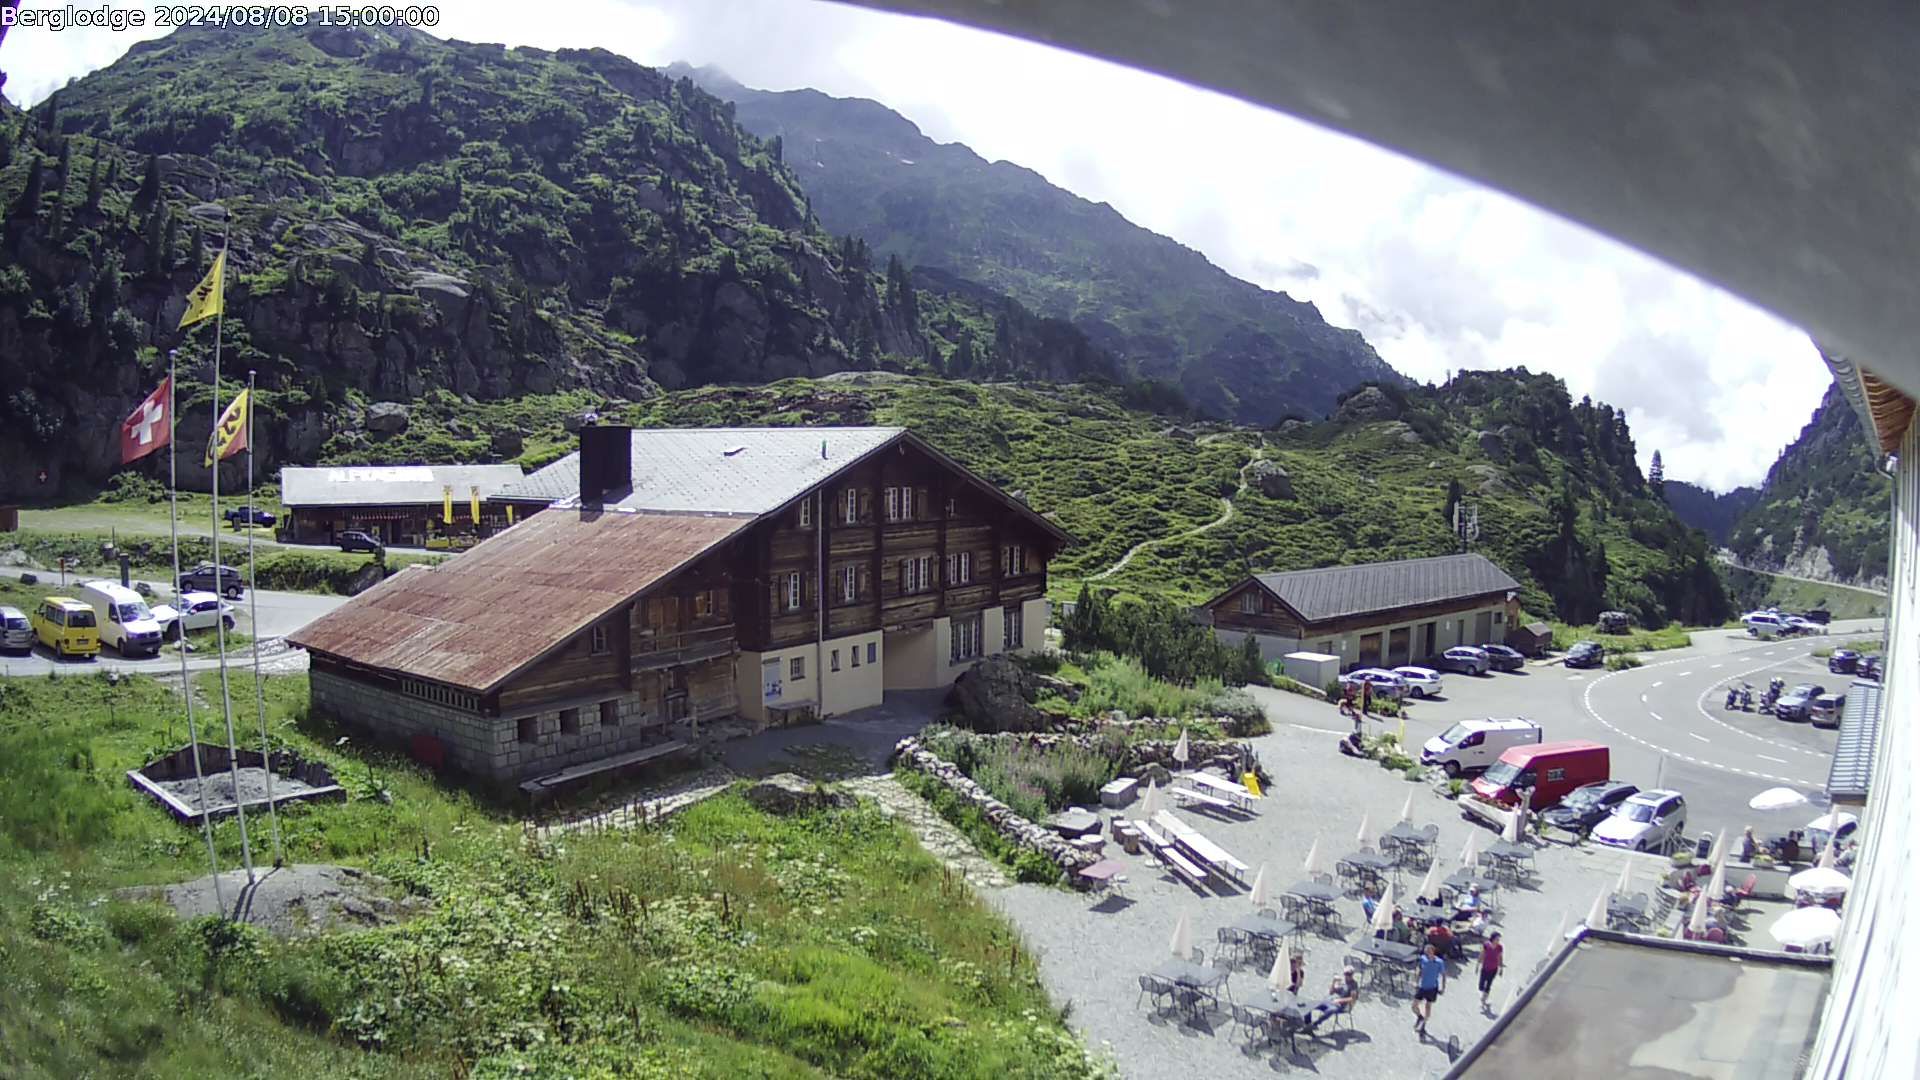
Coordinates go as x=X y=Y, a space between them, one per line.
x=27 y=206
x=149 y=192
x=94 y=182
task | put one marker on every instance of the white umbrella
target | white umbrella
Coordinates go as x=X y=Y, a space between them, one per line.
x=1821 y=879
x=1597 y=914
x=1430 y=885
x=1181 y=752
x=1806 y=927
x=1471 y=851
x=1626 y=876
x=1150 y=803
x=1406 y=810
x=1182 y=943
x=1718 y=856
x=1313 y=864
x=1717 y=885
x=1777 y=798
x=1383 y=913
x=1560 y=933
x=1832 y=821
x=1827 y=857
x=1280 y=978
x=1697 y=921
x=1364 y=830
x=1512 y=833
x=1258 y=895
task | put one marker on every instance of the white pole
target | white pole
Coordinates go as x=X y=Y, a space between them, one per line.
x=253 y=618
x=220 y=625
x=180 y=623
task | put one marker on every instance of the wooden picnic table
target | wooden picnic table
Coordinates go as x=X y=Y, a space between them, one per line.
x=1186 y=836
x=1238 y=793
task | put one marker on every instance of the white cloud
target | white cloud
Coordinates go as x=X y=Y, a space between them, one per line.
x=1438 y=273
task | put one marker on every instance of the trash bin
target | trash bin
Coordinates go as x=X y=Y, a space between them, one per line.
x=1703 y=847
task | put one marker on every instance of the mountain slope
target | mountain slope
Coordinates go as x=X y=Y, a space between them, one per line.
x=1712 y=512
x=1823 y=510
x=1237 y=350
x=410 y=215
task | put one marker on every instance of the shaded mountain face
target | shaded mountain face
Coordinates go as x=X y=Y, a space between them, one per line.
x=1712 y=512
x=1236 y=350
x=1824 y=509
x=406 y=216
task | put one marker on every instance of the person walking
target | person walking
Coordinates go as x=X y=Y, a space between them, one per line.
x=1366 y=698
x=1491 y=953
x=1433 y=979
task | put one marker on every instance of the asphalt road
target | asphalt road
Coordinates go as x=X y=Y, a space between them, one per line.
x=281 y=613
x=1665 y=724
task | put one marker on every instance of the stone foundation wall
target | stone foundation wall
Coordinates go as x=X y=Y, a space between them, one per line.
x=1071 y=860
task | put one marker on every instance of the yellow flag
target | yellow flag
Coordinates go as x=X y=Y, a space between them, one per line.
x=231 y=434
x=446 y=503
x=204 y=301
x=473 y=503
x=509 y=513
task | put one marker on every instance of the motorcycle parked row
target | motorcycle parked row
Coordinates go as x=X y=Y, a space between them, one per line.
x=1741 y=697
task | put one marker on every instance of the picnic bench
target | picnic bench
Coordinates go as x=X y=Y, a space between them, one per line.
x=1234 y=795
x=1190 y=797
x=1164 y=850
x=1202 y=849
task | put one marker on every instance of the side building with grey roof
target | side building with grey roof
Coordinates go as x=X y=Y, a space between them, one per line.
x=398 y=505
x=1371 y=614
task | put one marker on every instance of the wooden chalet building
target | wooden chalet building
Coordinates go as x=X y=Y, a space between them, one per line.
x=399 y=505
x=1372 y=614
x=681 y=578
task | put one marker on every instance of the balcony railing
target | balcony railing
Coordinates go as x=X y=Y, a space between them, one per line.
x=657 y=649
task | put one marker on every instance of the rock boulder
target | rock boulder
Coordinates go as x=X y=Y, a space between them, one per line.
x=787 y=794
x=1271 y=479
x=388 y=417
x=1367 y=403
x=996 y=695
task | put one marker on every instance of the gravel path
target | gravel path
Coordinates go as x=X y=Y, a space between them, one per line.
x=303 y=898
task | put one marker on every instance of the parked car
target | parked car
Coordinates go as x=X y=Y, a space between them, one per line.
x=1586 y=805
x=1825 y=710
x=195 y=611
x=1869 y=667
x=355 y=540
x=1794 y=703
x=1385 y=683
x=123 y=618
x=1799 y=625
x=1843 y=662
x=16 y=631
x=1503 y=658
x=66 y=627
x=206 y=577
x=1472 y=745
x=1766 y=626
x=1466 y=659
x=1613 y=622
x=1585 y=654
x=248 y=515
x=1818 y=615
x=1546 y=772
x=1421 y=682
x=1646 y=821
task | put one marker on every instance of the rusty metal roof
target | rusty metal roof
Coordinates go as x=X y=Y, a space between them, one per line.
x=482 y=616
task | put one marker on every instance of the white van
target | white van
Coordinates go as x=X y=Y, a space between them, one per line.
x=1473 y=745
x=1765 y=626
x=125 y=622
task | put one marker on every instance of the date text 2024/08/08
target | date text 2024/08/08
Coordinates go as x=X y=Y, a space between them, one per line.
x=169 y=16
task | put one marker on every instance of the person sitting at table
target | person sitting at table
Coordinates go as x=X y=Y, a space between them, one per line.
x=1748 y=845
x=1296 y=971
x=1340 y=998
x=1368 y=902
x=1441 y=937
x=1466 y=905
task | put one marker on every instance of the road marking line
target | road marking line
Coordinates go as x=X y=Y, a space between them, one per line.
x=1321 y=730
x=1643 y=699
x=1683 y=675
x=1713 y=667
x=1764 y=757
x=1696 y=735
x=1587 y=703
x=1655 y=715
x=1658 y=682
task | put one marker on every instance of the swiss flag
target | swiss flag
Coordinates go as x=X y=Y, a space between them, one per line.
x=149 y=427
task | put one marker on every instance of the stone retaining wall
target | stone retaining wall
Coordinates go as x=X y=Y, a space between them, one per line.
x=1140 y=754
x=1071 y=860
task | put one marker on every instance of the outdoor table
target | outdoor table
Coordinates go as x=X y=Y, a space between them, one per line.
x=1237 y=793
x=1628 y=909
x=1426 y=913
x=1505 y=857
x=1103 y=874
x=1317 y=898
x=1371 y=860
x=1193 y=976
x=1464 y=880
x=1410 y=838
x=1261 y=926
x=1288 y=1008
x=1397 y=954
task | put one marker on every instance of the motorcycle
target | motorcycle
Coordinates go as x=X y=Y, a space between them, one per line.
x=1733 y=698
x=1768 y=699
x=1746 y=697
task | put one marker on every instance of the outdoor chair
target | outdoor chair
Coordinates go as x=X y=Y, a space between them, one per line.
x=1187 y=998
x=1268 y=913
x=1228 y=938
x=1295 y=908
x=1199 y=957
x=1323 y=878
x=1158 y=989
x=1246 y=1020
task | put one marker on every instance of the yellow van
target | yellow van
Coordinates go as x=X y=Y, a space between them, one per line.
x=67 y=627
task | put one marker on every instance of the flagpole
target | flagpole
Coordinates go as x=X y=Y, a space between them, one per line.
x=180 y=624
x=220 y=626
x=253 y=619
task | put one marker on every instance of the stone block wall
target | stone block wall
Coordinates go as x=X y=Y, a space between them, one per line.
x=1071 y=860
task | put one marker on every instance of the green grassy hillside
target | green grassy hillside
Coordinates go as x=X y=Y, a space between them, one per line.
x=1823 y=511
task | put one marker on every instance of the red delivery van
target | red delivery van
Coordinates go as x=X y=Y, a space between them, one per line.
x=1550 y=769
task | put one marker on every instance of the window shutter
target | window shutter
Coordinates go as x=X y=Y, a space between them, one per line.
x=776 y=592
x=866 y=581
x=919 y=498
x=866 y=506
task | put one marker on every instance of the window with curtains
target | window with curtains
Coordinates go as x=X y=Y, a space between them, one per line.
x=1013 y=560
x=964 y=640
x=1012 y=633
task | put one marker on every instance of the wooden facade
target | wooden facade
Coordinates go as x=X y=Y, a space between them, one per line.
x=1274 y=617
x=410 y=525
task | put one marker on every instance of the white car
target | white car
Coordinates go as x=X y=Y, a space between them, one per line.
x=1466 y=659
x=1421 y=682
x=1385 y=683
x=1798 y=625
x=201 y=611
x=1763 y=625
x=1649 y=821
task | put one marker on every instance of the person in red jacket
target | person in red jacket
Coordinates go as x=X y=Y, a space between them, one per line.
x=1490 y=957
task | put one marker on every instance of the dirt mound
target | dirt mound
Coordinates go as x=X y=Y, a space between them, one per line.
x=306 y=898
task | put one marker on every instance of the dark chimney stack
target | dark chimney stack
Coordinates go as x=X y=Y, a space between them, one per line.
x=606 y=463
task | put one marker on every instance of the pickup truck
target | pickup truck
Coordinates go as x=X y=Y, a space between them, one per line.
x=248 y=515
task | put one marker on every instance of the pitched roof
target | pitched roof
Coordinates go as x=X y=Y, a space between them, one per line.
x=388 y=485
x=718 y=470
x=1334 y=592
x=479 y=618
x=1851 y=773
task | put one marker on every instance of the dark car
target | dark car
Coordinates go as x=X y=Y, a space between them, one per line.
x=1585 y=654
x=1818 y=615
x=1504 y=659
x=1584 y=806
x=1843 y=662
x=1869 y=667
x=1614 y=622
x=224 y=580
x=355 y=540
x=248 y=515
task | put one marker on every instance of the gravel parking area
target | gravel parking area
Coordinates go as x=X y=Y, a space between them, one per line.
x=1093 y=953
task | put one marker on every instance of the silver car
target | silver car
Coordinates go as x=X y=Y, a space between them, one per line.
x=15 y=631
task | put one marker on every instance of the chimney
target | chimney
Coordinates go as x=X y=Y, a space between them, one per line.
x=606 y=463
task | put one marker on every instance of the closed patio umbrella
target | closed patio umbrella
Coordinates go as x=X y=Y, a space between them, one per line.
x=1512 y=832
x=1364 y=830
x=1717 y=885
x=1182 y=943
x=1597 y=914
x=1777 y=798
x=1821 y=879
x=1181 y=751
x=1314 y=862
x=1151 y=803
x=1280 y=978
x=1827 y=856
x=1697 y=919
x=1626 y=876
x=1406 y=809
x=1383 y=912
x=1719 y=853
x=1472 y=851
x=1259 y=894
x=1430 y=885
x=1804 y=928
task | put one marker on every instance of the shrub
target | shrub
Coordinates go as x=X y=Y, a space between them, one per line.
x=1683 y=858
x=1622 y=661
x=1031 y=866
x=1244 y=715
x=1456 y=787
x=1036 y=781
x=1040 y=663
x=134 y=923
x=1115 y=682
x=1294 y=686
x=1415 y=772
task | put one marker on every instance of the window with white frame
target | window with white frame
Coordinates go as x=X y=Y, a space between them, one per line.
x=797 y=668
x=964 y=641
x=1250 y=602
x=849 y=583
x=873 y=650
x=899 y=503
x=597 y=641
x=916 y=574
x=806 y=513
x=794 y=596
x=1012 y=633
x=852 y=510
x=1013 y=560
x=959 y=567
x=855 y=654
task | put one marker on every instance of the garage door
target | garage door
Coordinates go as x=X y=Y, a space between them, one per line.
x=1483 y=628
x=1370 y=650
x=1399 y=643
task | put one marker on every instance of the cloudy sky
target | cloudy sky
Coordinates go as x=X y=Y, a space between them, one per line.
x=1440 y=274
